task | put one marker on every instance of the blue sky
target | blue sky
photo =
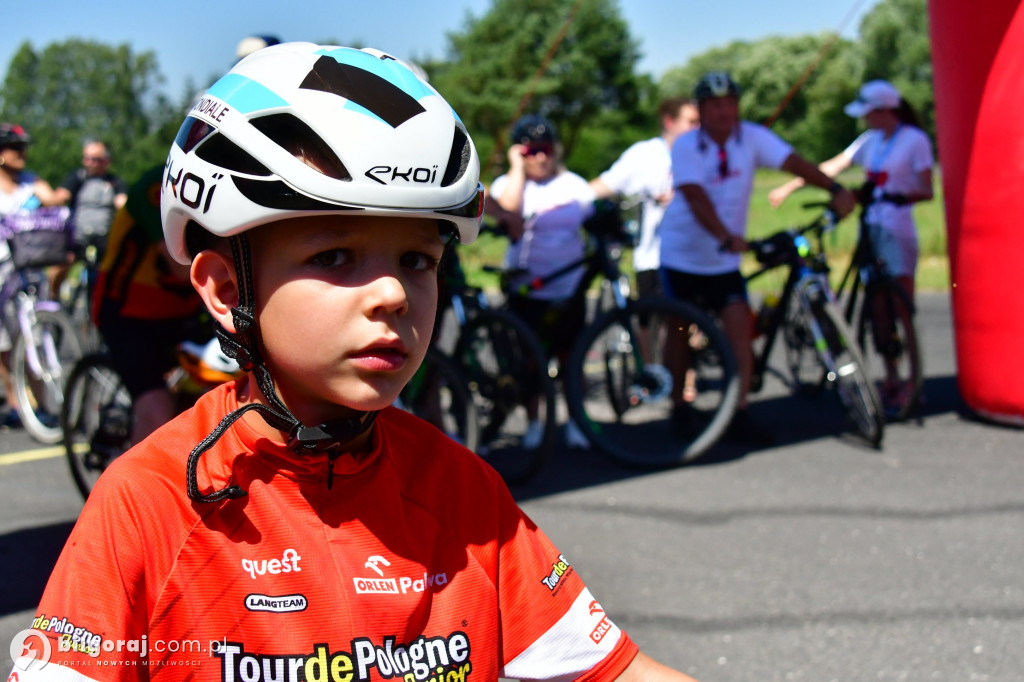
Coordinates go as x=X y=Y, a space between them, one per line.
x=197 y=39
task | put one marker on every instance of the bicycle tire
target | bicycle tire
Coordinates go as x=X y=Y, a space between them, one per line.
x=646 y=434
x=805 y=368
x=507 y=370
x=846 y=371
x=40 y=395
x=96 y=420
x=440 y=395
x=902 y=348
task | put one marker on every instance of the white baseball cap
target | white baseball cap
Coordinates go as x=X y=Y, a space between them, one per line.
x=873 y=95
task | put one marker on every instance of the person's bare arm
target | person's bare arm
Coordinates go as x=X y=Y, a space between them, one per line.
x=832 y=167
x=119 y=200
x=601 y=190
x=707 y=216
x=843 y=200
x=63 y=195
x=644 y=669
x=47 y=195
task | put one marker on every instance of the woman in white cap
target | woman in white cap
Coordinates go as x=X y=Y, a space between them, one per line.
x=896 y=156
x=897 y=159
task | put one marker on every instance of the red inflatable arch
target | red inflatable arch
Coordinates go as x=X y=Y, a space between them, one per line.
x=979 y=103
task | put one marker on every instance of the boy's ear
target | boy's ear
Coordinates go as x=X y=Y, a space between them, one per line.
x=213 y=276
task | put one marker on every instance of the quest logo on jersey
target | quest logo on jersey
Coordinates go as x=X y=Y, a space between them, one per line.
x=425 y=659
x=288 y=562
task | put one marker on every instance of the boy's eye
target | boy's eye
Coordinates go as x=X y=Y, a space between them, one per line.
x=332 y=258
x=419 y=261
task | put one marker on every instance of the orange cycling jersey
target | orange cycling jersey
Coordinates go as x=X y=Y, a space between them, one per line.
x=414 y=564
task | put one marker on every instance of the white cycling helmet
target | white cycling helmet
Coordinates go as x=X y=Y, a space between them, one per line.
x=382 y=140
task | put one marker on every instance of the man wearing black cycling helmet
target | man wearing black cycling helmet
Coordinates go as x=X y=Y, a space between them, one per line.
x=705 y=225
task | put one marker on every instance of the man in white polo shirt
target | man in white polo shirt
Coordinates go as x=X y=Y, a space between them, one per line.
x=703 y=231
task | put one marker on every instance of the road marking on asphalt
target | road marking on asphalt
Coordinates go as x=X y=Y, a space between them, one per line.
x=31 y=455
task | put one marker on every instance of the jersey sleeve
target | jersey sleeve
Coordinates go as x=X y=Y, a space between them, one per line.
x=921 y=158
x=687 y=164
x=552 y=627
x=92 y=615
x=771 y=150
x=855 y=152
x=622 y=177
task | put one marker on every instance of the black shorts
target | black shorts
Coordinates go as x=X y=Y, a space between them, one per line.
x=556 y=323
x=709 y=292
x=143 y=351
x=648 y=283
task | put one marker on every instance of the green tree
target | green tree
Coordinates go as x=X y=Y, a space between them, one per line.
x=75 y=90
x=491 y=75
x=783 y=81
x=896 y=45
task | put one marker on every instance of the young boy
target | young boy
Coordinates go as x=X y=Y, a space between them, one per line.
x=325 y=535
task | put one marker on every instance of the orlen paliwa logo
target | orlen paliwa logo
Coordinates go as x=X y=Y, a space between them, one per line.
x=27 y=654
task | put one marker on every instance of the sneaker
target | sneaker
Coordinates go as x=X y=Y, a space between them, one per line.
x=744 y=428
x=574 y=438
x=11 y=420
x=531 y=440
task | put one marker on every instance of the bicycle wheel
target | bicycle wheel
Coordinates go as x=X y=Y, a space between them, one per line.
x=623 y=404
x=805 y=368
x=41 y=356
x=888 y=340
x=506 y=368
x=96 y=419
x=846 y=371
x=438 y=393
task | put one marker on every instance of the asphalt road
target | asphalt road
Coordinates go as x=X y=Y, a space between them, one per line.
x=816 y=559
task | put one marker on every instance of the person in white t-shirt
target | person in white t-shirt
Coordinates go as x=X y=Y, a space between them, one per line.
x=645 y=170
x=897 y=158
x=553 y=203
x=704 y=227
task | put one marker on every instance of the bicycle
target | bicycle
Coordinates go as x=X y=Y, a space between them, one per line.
x=821 y=349
x=76 y=290
x=96 y=419
x=45 y=341
x=506 y=370
x=881 y=313
x=439 y=394
x=617 y=387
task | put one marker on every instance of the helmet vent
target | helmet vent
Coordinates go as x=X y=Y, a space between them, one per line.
x=277 y=194
x=393 y=105
x=458 y=159
x=222 y=152
x=303 y=143
x=192 y=132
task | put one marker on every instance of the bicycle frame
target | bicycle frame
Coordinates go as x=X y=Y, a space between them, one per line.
x=807 y=282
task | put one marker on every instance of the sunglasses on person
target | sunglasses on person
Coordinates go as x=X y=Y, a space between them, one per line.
x=16 y=146
x=94 y=159
x=534 y=149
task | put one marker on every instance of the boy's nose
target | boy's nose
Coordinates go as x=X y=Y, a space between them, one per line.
x=387 y=293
